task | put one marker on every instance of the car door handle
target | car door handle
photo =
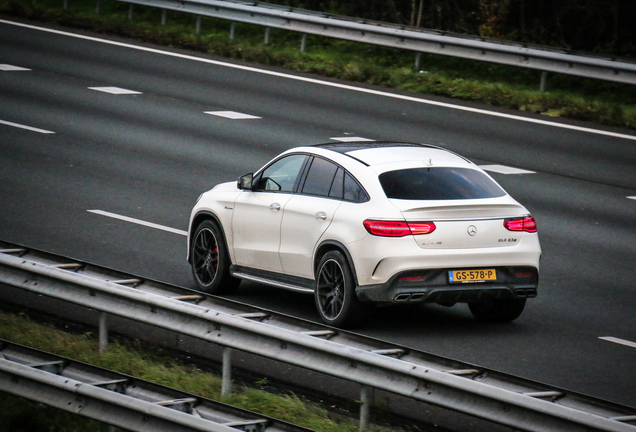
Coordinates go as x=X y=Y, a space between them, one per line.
x=274 y=206
x=321 y=215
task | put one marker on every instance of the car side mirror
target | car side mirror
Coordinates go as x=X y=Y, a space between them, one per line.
x=245 y=182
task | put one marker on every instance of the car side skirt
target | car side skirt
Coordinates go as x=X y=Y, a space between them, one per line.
x=278 y=280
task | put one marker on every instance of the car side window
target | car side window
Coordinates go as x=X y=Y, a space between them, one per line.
x=320 y=177
x=337 y=187
x=325 y=178
x=281 y=176
x=353 y=191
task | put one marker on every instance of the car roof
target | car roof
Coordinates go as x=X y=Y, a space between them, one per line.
x=384 y=156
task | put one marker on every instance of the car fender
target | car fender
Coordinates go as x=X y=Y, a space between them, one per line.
x=217 y=205
x=327 y=245
x=196 y=220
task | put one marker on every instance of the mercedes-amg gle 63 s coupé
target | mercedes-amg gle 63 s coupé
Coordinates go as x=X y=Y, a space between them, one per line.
x=364 y=223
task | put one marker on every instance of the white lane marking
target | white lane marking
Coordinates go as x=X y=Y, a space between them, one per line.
x=30 y=128
x=631 y=197
x=502 y=169
x=11 y=68
x=618 y=341
x=350 y=139
x=330 y=84
x=139 y=222
x=114 y=90
x=231 y=115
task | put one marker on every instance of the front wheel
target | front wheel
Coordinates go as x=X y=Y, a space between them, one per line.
x=334 y=294
x=497 y=310
x=210 y=261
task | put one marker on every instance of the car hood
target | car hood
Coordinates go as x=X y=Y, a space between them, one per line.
x=225 y=187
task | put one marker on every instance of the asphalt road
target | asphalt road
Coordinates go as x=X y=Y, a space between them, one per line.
x=72 y=141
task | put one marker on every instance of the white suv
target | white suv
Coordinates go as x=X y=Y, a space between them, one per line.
x=369 y=222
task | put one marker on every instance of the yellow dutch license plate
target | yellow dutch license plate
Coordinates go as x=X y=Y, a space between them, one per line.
x=464 y=276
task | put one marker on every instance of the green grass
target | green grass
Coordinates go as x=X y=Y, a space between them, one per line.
x=496 y=85
x=152 y=364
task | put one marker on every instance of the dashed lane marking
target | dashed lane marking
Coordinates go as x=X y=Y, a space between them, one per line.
x=328 y=83
x=350 y=139
x=232 y=115
x=30 y=128
x=11 y=68
x=139 y=222
x=631 y=197
x=618 y=341
x=502 y=169
x=115 y=90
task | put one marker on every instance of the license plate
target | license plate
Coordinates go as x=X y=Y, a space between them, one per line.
x=464 y=276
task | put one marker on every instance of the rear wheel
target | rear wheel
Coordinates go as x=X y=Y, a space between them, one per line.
x=210 y=261
x=334 y=294
x=497 y=310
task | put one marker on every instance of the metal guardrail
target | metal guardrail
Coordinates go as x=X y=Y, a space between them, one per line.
x=119 y=400
x=410 y=38
x=500 y=398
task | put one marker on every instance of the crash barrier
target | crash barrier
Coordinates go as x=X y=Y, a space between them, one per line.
x=119 y=400
x=477 y=392
x=415 y=39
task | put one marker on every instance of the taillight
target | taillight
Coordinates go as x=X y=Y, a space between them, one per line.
x=526 y=224
x=418 y=228
x=398 y=228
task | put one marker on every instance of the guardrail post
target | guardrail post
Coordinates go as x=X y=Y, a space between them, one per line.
x=303 y=42
x=544 y=79
x=98 y=7
x=232 y=30
x=366 y=400
x=103 y=332
x=198 y=25
x=226 y=385
x=130 y=12
x=164 y=14
x=267 y=32
x=418 y=61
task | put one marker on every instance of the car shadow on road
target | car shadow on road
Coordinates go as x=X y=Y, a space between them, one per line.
x=407 y=320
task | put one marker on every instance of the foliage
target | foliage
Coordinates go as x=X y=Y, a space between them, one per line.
x=23 y=415
x=604 y=26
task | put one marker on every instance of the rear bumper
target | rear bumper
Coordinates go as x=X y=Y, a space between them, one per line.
x=433 y=286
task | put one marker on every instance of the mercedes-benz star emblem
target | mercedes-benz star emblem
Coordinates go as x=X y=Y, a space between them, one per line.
x=472 y=230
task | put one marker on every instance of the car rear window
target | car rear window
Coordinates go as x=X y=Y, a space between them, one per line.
x=439 y=183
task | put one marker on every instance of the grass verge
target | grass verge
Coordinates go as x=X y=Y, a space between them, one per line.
x=496 y=85
x=150 y=364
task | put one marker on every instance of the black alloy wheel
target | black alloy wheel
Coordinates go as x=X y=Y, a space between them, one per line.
x=210 y=261
x=334 y=295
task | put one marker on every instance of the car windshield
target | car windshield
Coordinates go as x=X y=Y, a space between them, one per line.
x=439 y=183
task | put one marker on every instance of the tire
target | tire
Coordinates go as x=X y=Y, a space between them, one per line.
x=210 y=261
x=334 y=294
x=497 y=310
